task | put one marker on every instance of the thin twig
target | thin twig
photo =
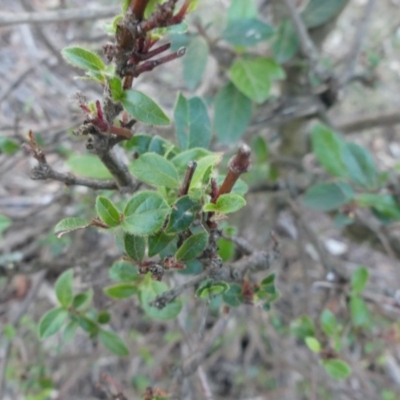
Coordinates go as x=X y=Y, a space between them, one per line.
x=359 y=39
x=307 y=46
x=79 y=14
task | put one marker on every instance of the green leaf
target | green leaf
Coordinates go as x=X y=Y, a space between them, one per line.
x=226 y=203
x=328 y=148
x=359 y=279
x=183 y=213
x=82 y=300
x=154 y=169
x=149 y=290
x=193 y=126
x=135 y=246
x=359 y=312
x=89 y=166
x=123 y=271
x=233 y=297
x=52 y=321
x=70 y=331
x=286 y=43
x=86 y=324
x=240 y=9
x=269 y=280
x=67 y=225
x=303 y=327
x=337 y=369
x=253 y=77
x=328 y=196
x=182 y=159
x=145 y=213
x=360 y=165
x=195 y=61
x=121 y=290
x=232 y=113
x=247 y=32
x=319 y=12
x=117 y=91
x=107 y=211
x=212 y=289
x=386 y=205
x=64 y=288
x=329 y=323
x=8 y=146
x=204 y=165
x=104 y=317
x=226 y=249
x=158 y=242
x=83 y=58
x=192 y=247
x=113 y=343
x=143 y=108
x=313 y=344
x=5 y=222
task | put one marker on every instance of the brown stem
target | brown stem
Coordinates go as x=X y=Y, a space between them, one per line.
x=238 y=165
x=192 y=165
x=138 y=7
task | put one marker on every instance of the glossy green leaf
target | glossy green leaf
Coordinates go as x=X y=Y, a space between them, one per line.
x=328 y=196
x=155 y=170
x=359 y=279
x=149 y=290
x=87 y=324
x=113 y=343
x=121 y=291
x=269 y=280
x=143 y=108
x=145 y=213
x=8 y=146
x=360 y=165
x=286 y=42
x=232 y=113
x=67 y=225
x=226 y=204
x=107 y=211
x=182 y=159
x=193 y=126
x=204 y=165
x=135 y=246
x=52 y=321
x=329 y=323
x=253 y=77
x=158 y=242
x=337 y=369
x=182 y=215
x=313 y=344
x=195 y=61
x=359 y=312
x=212 y=289
x=240 y=9
x=117 y=91
x=328 y=147
x=82 y=300
x=247 y=32
x=83 y=58
x=64 y=288
x=385 y=204
x=89 y=166
x=319 y=12
x=123 y=271
x=226 y=249
x=192 y=247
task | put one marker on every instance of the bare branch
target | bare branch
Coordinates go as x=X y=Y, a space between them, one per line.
x=369 y=122
x=361 y=34
x=79 y=14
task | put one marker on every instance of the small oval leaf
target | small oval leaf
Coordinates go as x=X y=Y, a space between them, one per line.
x=52 y=321
x=121 y=291
x=107 y=211
x=83 y=58
x=64 y=289
x=192 y=247
x=113 y=343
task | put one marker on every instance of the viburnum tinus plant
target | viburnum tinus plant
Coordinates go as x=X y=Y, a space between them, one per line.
x=177 y=199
